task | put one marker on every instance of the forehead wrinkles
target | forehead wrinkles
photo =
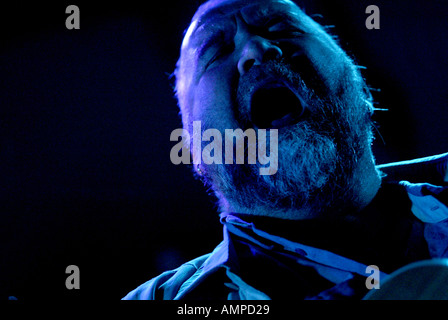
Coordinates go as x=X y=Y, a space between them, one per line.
x=260 y=13
x=202 y=20
x=252 y=12
x=209 y=17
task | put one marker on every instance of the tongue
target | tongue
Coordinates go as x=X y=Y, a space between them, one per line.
x=275 y=108
x=289 y=119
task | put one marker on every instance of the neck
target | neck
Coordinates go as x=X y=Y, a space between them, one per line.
x=362 y=236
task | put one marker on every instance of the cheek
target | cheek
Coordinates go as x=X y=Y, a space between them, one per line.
x=213 y=101
x=329 y=61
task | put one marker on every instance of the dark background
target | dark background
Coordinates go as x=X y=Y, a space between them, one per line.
x=85 y=120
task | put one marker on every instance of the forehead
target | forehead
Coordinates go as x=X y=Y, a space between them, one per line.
x=249 y=8
x=251 y=11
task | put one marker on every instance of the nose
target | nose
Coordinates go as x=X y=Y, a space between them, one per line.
x=256 y=51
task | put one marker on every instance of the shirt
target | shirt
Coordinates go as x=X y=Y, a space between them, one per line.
x=263 y=258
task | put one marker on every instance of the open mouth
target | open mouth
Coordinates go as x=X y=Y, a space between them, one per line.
x=276 y=107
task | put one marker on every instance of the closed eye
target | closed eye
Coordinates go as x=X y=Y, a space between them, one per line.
x=284 y=30
x=284 y=34
x=220 y=52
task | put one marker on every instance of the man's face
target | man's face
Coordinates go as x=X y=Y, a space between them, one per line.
x=265 y=64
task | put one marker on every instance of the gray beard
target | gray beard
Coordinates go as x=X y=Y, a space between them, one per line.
x=316 y=160
x=313 y=173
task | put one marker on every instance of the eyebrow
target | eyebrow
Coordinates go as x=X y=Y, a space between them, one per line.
x=211 y=41
x=219 y=33
x=216 y=13
x=213 y=13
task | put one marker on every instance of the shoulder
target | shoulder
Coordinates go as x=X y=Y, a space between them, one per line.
x=166 y=286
